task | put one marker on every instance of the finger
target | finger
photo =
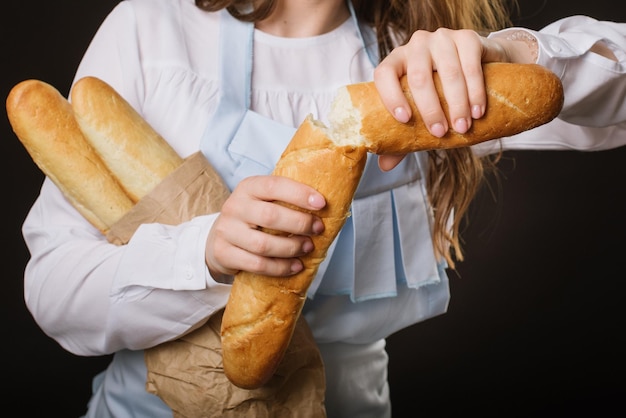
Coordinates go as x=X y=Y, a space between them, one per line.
x=450 y=70
x=389 y=162
x=422 y=86
x=253 y=203
x=470 y=49
x=283 y=189
x=253 y=214
x=278 y=217
x=231 y=247
x=264 y=244
x=387 y=80
x=241 y=260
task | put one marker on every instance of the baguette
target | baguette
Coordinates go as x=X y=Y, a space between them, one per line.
x=132 y=150
x=519 y=97
x=262 y=311
x=43 y=121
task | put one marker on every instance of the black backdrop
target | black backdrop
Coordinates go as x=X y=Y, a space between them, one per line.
x=535 y=323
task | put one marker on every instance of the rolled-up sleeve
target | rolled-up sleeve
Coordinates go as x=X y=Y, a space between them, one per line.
x=595 y=86
x=594 y=109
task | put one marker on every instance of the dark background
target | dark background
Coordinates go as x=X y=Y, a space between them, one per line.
x=535 y=325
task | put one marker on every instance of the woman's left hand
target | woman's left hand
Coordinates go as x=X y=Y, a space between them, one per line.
x=457 y=56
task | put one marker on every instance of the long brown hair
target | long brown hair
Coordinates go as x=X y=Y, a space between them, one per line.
x=455 y=175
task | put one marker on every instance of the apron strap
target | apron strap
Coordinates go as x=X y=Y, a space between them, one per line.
x=368 y=37
x=235 y=88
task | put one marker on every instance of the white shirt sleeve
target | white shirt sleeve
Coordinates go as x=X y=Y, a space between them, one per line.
x=94 y=297
x=594 y=110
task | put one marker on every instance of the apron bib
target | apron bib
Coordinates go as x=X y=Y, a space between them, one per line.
x=239 y=143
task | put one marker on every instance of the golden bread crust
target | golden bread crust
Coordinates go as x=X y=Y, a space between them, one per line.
x=519 y=97
x=262 y=311
x=134 y=152
x=43 y=121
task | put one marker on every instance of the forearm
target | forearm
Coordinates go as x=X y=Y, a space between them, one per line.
x=94 y=297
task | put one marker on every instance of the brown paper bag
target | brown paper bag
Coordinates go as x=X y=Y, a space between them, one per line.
x=192 y=189
x=187 y=373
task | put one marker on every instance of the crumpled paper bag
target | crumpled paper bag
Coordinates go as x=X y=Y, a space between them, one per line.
x=193 y=189
x=187 y=373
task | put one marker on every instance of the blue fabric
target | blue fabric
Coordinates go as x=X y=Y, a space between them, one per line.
x=241 y=143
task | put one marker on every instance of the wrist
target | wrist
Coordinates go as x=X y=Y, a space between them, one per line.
x=526 y=47
x=517 y=45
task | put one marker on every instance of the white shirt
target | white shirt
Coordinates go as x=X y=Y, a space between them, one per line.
x=96 y=298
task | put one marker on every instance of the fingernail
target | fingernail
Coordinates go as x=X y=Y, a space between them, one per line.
x=296 y=266
x=318 y=227
x=316 y=201
x=438 y=130
x=401 y=114
x=461 y=125
x=307 y=247
x=477 y=112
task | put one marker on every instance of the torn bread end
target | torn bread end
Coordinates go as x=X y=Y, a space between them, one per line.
x=345 y=120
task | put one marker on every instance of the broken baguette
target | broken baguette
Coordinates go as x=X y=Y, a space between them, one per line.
x=519 y=97
x=262 y=311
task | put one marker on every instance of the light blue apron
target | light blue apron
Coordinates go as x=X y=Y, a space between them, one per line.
x=239 y=143
x=382 y=259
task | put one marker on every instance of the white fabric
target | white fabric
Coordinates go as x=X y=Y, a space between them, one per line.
x=243 y=143
x=161 y=55
x=356 y=379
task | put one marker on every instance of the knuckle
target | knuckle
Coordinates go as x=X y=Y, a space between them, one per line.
x=442 y=32
x=303 y=224
x=259 y=243
x=228 y=207
x=270 y=185
x=267 y=215
x=431 y=115
x=219 y=230
x=384 y=71
x=295 y=248
x=473 y=71
x=449 y=72
x=246 y=183
x=419 y=35
x=419 y=79
x=257 y=265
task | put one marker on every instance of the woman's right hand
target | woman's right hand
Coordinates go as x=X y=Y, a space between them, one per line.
x=236 y=241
